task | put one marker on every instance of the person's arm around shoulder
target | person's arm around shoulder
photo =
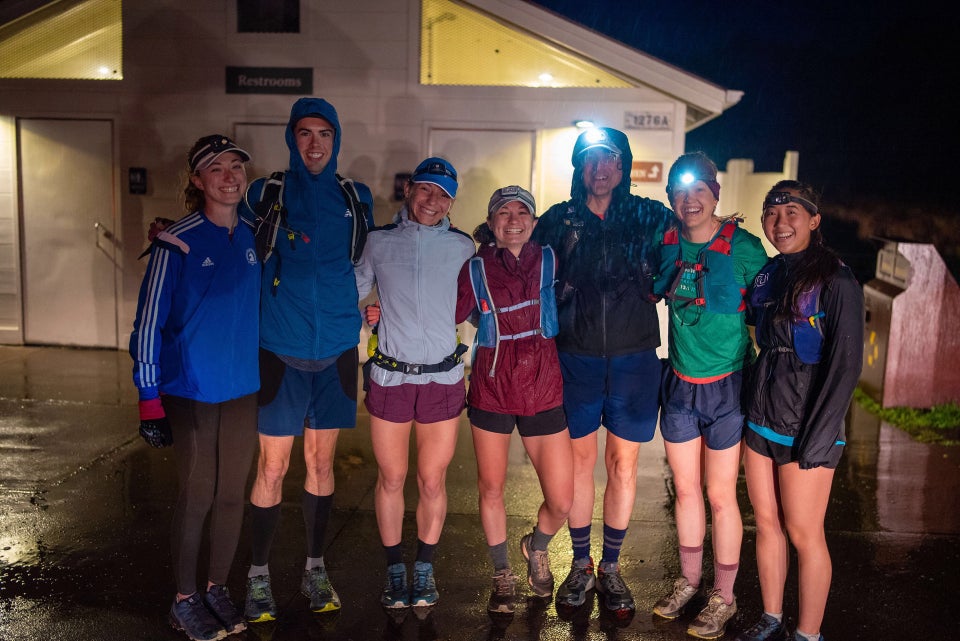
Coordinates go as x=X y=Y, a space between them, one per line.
x=466 y=301
x=749 y=256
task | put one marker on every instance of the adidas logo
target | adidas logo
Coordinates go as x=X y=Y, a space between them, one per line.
x=207 y=262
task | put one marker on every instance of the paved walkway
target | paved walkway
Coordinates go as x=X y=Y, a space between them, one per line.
x=86 y=507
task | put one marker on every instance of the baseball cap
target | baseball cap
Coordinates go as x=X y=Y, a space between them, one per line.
x=508 y=194
x=209 y=148
x=439 y=172
x=602 y=138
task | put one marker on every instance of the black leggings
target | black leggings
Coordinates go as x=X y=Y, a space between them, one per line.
x=213 y=444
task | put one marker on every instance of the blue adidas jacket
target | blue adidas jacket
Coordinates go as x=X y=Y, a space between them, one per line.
x=312 y=313
x=195 y=332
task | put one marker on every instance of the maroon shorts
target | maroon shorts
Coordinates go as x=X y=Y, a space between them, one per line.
x=427 y=403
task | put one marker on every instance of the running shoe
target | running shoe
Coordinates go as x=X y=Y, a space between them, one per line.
x=193 y=618
x=503 y=597
x=424 y=591
x=539 y=576
x=616 y=594
x=316 y=587
x=573 y=591
x=221 y=606
x=259 y=606
x=670 y=606
x=766 y=629
x=712 y=620
x=396 y=592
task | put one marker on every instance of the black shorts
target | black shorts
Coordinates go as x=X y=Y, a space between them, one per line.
x=540 y=424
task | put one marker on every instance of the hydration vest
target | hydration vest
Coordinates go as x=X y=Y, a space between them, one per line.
x=806 y=330
x=271 y=218
x=488 y=328
x=719 y=293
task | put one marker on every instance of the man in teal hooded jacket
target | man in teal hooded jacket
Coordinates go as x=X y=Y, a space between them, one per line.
x=309 y=330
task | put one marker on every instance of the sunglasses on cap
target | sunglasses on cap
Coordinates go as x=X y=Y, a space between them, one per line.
x=211 y=148
x=436 y=169
x=784 y=197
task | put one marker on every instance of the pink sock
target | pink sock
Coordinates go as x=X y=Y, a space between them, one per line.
x=691 y=564
x=723 y=578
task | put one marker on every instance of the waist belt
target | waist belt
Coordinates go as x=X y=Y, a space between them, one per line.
x=393 y=365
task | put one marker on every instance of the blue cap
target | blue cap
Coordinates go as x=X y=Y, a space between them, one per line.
x=439 y=172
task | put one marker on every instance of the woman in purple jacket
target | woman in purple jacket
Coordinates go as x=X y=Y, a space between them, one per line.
x=516 y=382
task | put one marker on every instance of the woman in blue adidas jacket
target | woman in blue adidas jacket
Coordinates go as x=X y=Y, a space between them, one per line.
x=194 y=346
x=808 y=311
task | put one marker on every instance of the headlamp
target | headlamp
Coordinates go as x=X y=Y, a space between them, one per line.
x=784 y=197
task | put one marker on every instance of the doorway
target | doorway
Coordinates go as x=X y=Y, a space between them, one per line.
x=68 y=216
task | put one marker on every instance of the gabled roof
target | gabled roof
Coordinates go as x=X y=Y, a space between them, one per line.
x=705 y=100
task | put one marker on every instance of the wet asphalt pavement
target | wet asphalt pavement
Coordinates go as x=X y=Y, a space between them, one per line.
x=85 y=508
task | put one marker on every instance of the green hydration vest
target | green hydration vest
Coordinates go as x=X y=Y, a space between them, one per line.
x=717 y=288
x=488 y=328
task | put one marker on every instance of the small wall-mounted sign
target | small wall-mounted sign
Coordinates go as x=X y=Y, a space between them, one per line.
x=287 y=80
x=647 y=120
x=646 y=172
x=137 y=179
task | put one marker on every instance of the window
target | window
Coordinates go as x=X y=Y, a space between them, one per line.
x=268 y=16
x=462 y=46
x=71 y=40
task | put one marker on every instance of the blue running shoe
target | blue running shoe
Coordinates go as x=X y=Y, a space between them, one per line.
x=396 y=593
x=424 y=590
x=766 y=629
x=221 y=606
x=192 y=617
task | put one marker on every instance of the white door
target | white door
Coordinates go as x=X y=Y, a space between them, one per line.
x=68 y=223
x=485 y=160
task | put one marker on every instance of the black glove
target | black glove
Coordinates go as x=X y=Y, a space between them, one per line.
x=156 y=432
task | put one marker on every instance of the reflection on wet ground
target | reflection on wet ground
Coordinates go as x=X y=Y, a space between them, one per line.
x=86 y=509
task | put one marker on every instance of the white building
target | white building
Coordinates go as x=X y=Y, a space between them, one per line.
x=100 y=100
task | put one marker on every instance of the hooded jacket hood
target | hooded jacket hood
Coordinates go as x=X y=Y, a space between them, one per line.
x=317 y=107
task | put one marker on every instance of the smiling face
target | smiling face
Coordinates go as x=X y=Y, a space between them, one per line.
x=694 y=205
x=789 y=226
x=222 y=182
x=602 y=171
x=512 y=226
x=427 y=203
x=314 y=138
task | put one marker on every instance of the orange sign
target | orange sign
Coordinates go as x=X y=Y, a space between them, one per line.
x=646 y=172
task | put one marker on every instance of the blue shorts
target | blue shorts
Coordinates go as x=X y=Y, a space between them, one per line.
x=708 y=410
x=620 y=392
x=315 y=400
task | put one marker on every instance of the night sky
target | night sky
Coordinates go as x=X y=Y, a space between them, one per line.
x=864 y=93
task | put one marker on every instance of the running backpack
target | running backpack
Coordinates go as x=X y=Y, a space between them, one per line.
x=271 y=217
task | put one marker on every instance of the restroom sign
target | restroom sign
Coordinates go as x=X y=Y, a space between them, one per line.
x=646 y=172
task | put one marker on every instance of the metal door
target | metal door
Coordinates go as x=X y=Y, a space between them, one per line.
x=485 y=160
x=68 y=217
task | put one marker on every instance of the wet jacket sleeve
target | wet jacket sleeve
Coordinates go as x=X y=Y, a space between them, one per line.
x=153 y=310
x=840 y=367
x=466 y=301
x=363 y=272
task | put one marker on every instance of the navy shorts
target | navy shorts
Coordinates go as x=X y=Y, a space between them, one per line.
x=708 y=410
x=540 y=424
x=426 y=403
x=316 y=400
x=620 y=392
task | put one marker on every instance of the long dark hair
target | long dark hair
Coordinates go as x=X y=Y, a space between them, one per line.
x=193 y=198
x=816 y=265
